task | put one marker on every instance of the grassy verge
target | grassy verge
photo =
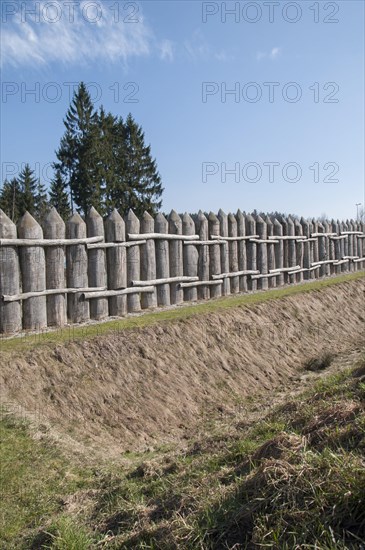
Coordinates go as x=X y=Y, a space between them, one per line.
x=75 y=332
x=294 y=479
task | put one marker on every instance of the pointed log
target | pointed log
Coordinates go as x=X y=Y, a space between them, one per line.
x=251 y=250
x=54 y=228
x=214 y=254
x=162 y=260
x=116 y=263
x=10 y=313
x=33 y=274
x=99 y=308
x=191 y=258
x=133 y=262
x=176 y=257
x=76 y=270
x=148 y=261
x=242 y=253
x=223 y=229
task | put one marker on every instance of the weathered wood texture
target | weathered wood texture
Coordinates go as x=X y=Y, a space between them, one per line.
x=78 y=310
x=33 y=268
x=97 y=265
x=89 y=270
x=54 y=228
x=10 y=314
x=116 y=263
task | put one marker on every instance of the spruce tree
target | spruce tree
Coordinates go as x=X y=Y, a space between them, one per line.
x=58 y=196
x=106 y=154
x=41 y=202
x=137 y=184
x=28 y=191
x=77 y=154
x=10 y=198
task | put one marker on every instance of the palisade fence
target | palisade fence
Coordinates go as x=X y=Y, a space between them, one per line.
x=94 y=269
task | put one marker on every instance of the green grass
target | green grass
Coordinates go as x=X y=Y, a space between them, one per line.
x=294 y=479
x=74 y=332
x=33 y=479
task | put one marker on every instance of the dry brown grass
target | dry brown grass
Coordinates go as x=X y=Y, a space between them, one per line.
x=148 y=387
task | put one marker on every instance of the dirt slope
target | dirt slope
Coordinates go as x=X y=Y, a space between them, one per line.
x=147 y=386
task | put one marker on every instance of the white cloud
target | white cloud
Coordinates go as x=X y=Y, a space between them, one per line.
x=38 y=41
x=273 y=54
x=260 y=55
x=198 y=48
x=166 y=50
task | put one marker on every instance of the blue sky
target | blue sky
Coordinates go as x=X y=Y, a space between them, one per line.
x=290 y=137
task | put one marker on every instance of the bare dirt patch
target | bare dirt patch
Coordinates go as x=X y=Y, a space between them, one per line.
x=144 y=387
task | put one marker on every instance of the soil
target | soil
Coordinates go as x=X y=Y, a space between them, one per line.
x=142 y=388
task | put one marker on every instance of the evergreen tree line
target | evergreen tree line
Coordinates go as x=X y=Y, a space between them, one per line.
x=102 y=161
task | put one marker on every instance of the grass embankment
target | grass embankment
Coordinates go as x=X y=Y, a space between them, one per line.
x=293 y=479
x=27 y=341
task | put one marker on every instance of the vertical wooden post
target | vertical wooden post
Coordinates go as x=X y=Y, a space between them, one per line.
x=262 y=253
x=242 y=256
x=354 y=239
x=162 y=260
x=361 y=244
x=315 y=229
x=116 y=263
x=233 y=253
x=299 y=249
x=322 y=251
x=203 y=263
x=191 y=258
x=292 y=259
x=223 y=224
x=33 y=270
x=133 y=262
x=306 y=248
x=54 y=228
x=10 y=312
x=279 y=251
x=251 y=250
x=312 y=248
x=97 y=265
x=284 y=223
x=270 y=251
x=148 y=262
x=214 y=254
x=345 y=243
x=176 y=257
x=335 y=247
x=76 y=270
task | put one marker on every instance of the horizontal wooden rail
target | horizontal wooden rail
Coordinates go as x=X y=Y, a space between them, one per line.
x=323 y=234
x=284 y=269
x=235 y=274
x=201 y=283
x=49 y=242
x=288 y=237
x=238 y=238
x=164 y=236
x=220 y=241
x=124 y=244
x=164 y=281
x=121 y=292
x=49 y=292
x=263 y=241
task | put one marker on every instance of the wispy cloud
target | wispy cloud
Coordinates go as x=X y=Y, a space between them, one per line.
x=272 y=54
x=198 y=48
x=166 y=50
x=36 y=40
